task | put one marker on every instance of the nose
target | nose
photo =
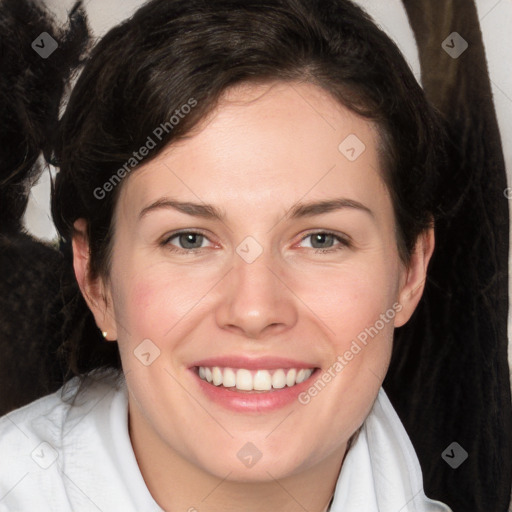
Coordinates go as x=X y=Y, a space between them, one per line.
x=256 y=301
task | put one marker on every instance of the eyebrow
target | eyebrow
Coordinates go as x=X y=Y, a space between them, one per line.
x=299 y=210
x=320 y=207
x=206 y=211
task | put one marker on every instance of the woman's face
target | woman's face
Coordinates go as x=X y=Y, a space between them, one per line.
x=292 y=265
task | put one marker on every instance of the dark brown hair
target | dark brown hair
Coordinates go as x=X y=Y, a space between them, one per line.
x=144 y=70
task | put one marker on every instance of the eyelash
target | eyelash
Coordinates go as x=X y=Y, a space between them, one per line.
x=344 y=242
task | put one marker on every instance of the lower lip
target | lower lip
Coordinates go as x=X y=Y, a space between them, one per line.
x=253 y=402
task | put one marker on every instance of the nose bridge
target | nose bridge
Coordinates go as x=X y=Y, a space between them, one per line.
x=255 y=297
x=254 y=278
x=251 y=265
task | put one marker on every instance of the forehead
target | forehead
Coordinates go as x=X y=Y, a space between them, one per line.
x=264 y=145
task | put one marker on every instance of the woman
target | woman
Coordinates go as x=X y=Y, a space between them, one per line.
x=248 y=188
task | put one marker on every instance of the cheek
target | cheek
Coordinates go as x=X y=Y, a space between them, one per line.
x=152 y=300
x=360 y=343
x=351 y=298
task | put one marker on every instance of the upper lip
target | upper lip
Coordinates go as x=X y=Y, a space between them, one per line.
x=256 y=363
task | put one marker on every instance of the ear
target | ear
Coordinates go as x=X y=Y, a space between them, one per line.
x=415 y=275
x=96 y=294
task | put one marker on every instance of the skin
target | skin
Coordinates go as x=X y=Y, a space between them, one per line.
x=264 y=149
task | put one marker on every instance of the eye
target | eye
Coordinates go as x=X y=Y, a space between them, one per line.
x=323 y=241
x=186 y=241
x=192 y=241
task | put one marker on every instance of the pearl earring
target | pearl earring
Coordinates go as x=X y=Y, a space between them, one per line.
x=104 y=334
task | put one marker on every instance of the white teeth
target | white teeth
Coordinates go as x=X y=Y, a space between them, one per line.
x=262 y=381
x=290 y=377
x=229 y=378
x=279 y=379
x=217 y=376
x=244 y=380
x=301 y=376
x=259 y=380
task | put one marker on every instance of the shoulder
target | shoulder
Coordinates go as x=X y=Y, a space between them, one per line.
x=37 y=440
x=21 y=427
x=48 y=417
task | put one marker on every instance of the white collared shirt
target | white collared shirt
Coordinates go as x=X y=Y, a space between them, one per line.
x=381 y=472
x=60 y=457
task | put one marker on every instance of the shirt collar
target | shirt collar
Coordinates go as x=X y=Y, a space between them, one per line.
x=381 y=472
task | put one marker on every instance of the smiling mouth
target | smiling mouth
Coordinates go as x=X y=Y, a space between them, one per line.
x=243 y=380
